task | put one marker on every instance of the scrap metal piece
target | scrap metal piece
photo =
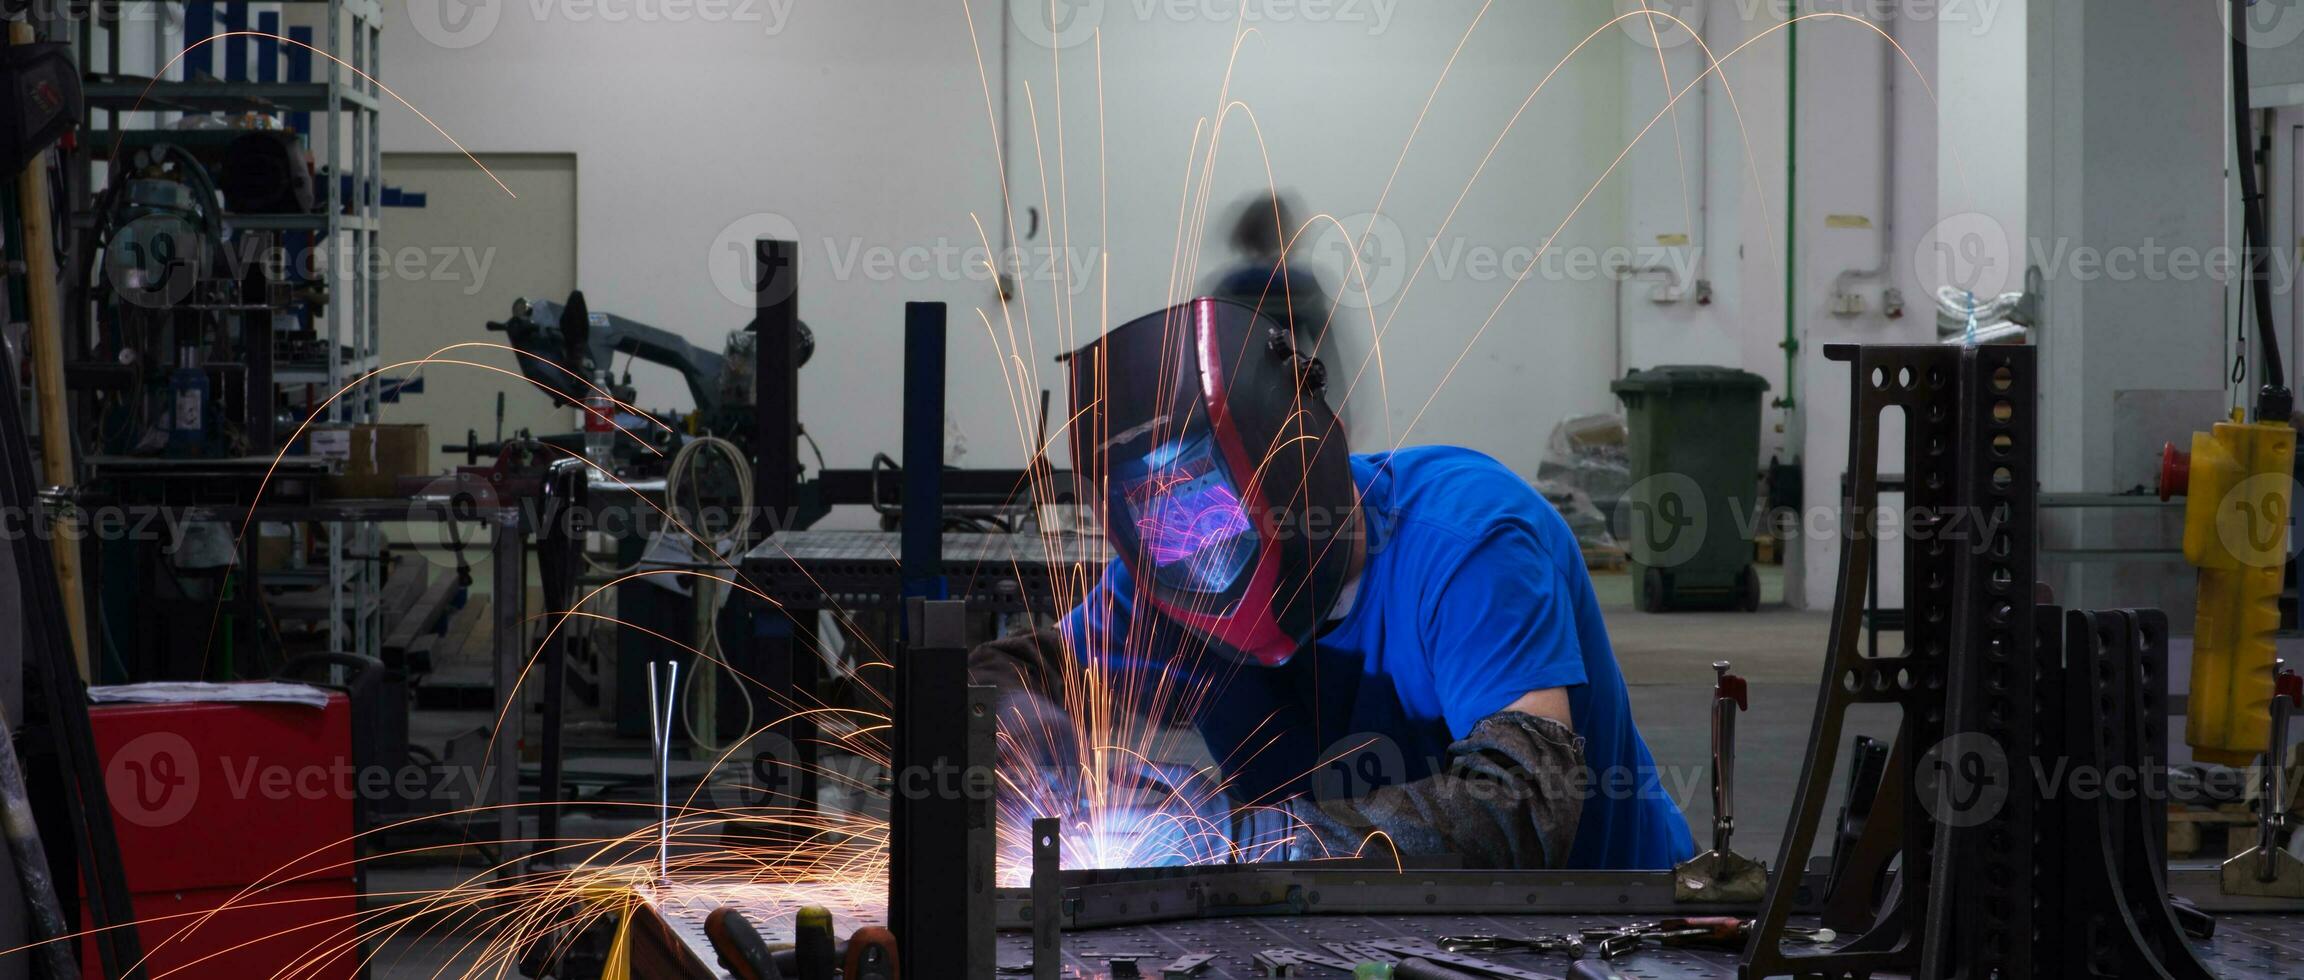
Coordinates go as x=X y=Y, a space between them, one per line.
x=1285 y=960
x=1362 y=952
x=1187 y=966
x=1459 y=961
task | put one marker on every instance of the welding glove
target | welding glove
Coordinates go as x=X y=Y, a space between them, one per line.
x=1029 y=661
x=1039 y=744
x=1510 y=798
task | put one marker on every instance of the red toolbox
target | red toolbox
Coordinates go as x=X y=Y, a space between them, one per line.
x=245 y=807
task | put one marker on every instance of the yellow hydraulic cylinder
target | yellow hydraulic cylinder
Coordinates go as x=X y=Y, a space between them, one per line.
x=2239 y=489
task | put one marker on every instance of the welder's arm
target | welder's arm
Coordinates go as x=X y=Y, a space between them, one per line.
x=1038 y=664
x=1509 y=798
x=1033 y=661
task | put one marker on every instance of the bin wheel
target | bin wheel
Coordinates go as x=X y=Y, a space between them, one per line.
x=1748 y=589
x=1652 y=591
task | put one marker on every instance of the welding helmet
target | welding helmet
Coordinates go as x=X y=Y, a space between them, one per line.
x=1223 y=475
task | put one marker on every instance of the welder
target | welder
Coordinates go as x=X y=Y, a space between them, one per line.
x=1400 y=651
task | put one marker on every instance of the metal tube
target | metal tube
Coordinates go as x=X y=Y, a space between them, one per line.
x=510 y=589
x=923 y=501
x=2272 y=822
x=53 y=938
x=1723 y=763
x=775 y=383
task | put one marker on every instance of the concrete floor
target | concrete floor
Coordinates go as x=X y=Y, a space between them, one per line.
x=1667 y=660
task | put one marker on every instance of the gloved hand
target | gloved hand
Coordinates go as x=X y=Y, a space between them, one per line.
x=1510 y=798
x=1039 y=744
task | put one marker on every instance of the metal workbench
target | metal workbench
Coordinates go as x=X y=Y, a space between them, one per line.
x=854 y=570
x=2253 y=945
x=1157 y=916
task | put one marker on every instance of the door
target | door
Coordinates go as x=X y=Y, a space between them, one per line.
x=457 y=263
x=447 y=269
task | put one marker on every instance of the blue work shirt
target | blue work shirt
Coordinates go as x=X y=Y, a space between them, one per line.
x=1474 y=593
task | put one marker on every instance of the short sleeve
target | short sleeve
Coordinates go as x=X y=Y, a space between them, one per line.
x=1502 y=624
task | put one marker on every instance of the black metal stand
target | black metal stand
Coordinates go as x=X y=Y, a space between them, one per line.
x=1997 y=875
x=940 y=860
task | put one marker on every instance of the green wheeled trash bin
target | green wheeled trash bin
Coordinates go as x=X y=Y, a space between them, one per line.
x=1695 y=495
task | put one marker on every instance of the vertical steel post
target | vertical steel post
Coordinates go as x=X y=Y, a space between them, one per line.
x=776 y=383
x=1047 y=899
x=936 y=896
x=509 y=601
x=923 y=521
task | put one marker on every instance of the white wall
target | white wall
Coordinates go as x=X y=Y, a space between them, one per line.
x=1336 y=95
x=1838 y=222
x=1719 y=180
x=858 y=127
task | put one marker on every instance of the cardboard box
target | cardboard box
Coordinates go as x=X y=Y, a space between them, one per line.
x=375 y=456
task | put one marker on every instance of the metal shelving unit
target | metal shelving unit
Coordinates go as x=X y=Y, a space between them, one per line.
x=326 y=92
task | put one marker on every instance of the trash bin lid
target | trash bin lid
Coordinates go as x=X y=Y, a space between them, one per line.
x=1687 y=377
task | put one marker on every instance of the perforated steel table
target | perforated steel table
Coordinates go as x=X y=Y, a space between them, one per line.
x=1028 y=572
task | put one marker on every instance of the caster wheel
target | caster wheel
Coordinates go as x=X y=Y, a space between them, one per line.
x=1653 y=586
